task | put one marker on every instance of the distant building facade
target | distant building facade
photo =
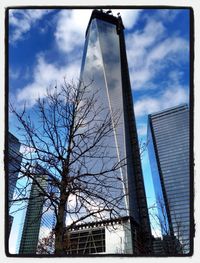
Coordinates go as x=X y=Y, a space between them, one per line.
x=105 y=64
x=169 y=154
x=38 y=221
x=14 y=163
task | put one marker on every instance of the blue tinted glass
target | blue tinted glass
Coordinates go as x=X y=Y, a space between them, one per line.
x=171 y=133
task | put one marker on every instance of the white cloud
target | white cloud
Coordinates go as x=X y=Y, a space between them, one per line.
x=70 y=29
x=139 y=41
x=170 y=46
x=46 y=75
x=152 y=32
x=139 y=45
x=146 y=106
x=149 y=64
x=22 y=20
x=171 y=97
x=150 y=50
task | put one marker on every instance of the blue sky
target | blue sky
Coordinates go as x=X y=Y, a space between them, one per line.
x=46 y=45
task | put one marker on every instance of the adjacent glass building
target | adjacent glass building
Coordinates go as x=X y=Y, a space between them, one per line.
x=14 y=163
x=169 y=154
x=39 y=220
x=105 y=68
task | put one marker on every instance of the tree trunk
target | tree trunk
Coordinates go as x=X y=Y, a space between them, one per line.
x=60 y=224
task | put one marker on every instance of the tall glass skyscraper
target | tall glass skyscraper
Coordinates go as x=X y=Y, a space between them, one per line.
x=38 y=220
x=169 y=154
x=104 y=65
x=14 y=163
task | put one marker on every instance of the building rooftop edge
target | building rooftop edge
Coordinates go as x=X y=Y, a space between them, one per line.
x=100 y=223
x=105 y=16
x=169 y=110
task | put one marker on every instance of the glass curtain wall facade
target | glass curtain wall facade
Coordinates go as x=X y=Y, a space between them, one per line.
x=168 y=148
x=15 y=158
x=14 y=163
x=38 y=220
x=104 y=65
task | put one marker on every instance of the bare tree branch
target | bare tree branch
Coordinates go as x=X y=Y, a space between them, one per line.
x=68 y=135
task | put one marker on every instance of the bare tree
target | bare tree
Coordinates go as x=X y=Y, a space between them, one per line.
x=143 y=147
x=68 y=134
